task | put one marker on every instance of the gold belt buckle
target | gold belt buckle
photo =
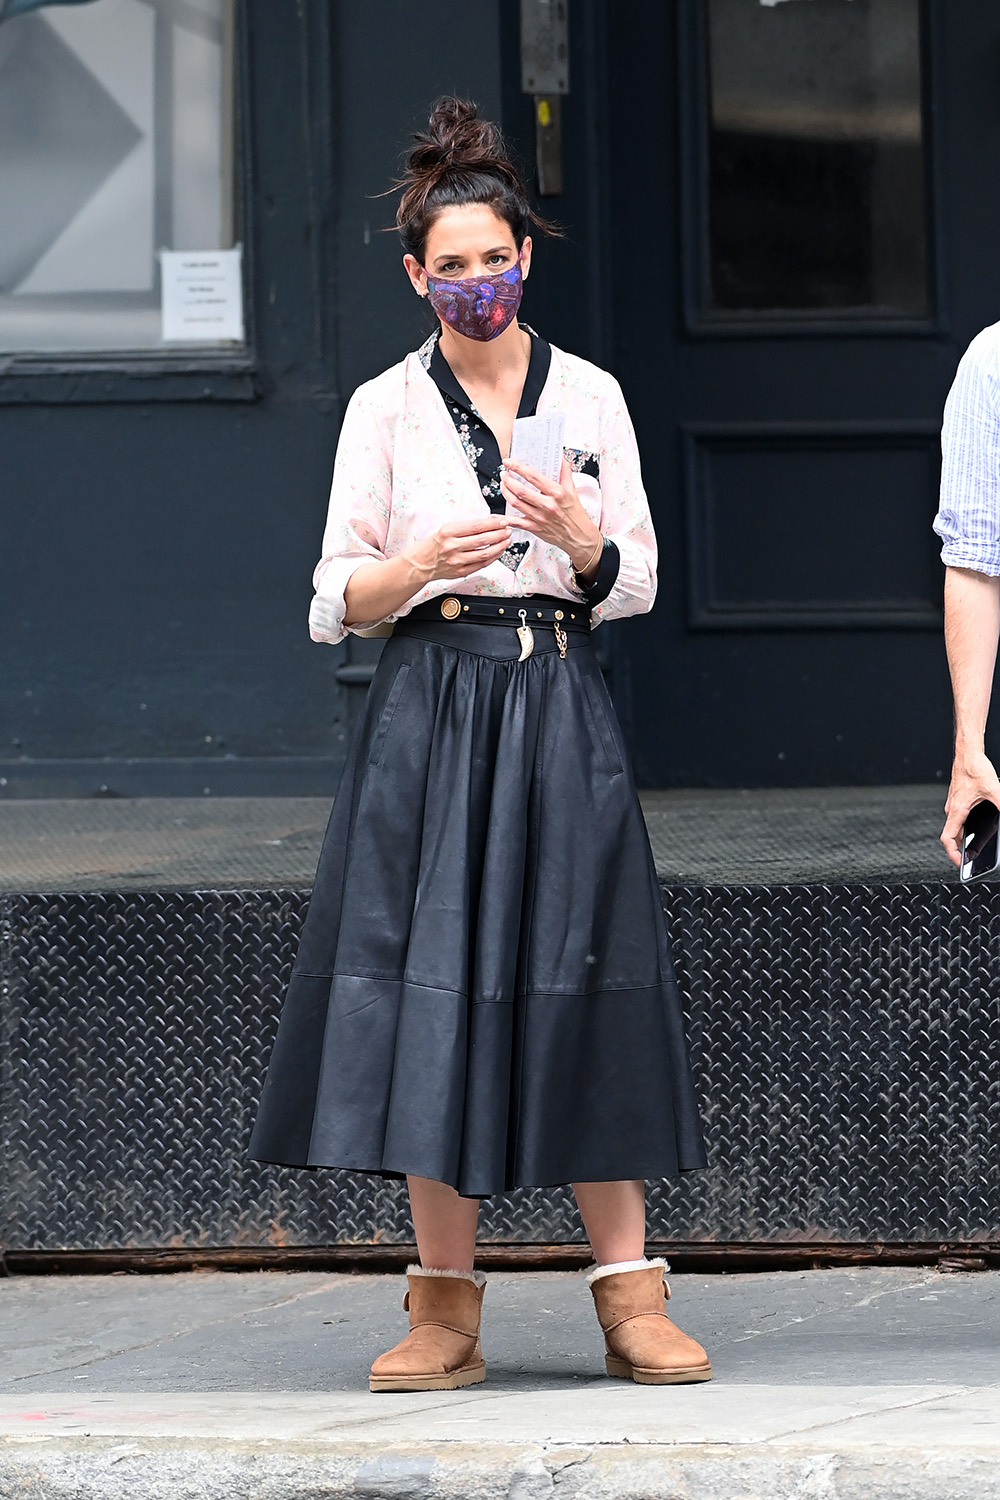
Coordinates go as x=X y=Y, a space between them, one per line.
x=450 y=608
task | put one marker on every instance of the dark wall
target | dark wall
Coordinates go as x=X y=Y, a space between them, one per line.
x=391 y=61
x=159 y=525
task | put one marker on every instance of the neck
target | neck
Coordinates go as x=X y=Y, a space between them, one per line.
x=506 y=355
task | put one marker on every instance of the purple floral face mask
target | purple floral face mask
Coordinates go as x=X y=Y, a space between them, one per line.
x=478 y=307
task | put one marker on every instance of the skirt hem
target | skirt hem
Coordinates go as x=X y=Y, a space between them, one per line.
x=392 y=1174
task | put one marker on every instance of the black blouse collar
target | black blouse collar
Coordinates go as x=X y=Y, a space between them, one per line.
x=478 y=440
x=539 y=360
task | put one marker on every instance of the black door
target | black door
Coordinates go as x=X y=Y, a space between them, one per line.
x=807 y=234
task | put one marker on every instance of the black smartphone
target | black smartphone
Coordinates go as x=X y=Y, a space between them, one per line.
x=980 y=842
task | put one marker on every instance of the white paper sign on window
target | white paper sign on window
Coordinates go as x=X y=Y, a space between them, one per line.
x=202 y=296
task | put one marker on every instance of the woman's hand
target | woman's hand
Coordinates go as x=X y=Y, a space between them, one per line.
x=461 y=547
x=376 y=590
x=552 y=511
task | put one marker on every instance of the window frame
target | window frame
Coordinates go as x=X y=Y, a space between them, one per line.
x=698 y=319
x=177 y=374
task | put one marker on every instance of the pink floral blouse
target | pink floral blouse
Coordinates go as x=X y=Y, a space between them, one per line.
x=401 y=472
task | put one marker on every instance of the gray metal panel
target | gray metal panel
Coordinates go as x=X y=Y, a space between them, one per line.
x=545 y=46
x=846 y=1041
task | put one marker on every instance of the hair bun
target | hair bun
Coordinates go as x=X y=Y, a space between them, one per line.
x=457 y=161
x=456 y=137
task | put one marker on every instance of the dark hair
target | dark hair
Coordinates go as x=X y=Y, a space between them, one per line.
x=461 y=159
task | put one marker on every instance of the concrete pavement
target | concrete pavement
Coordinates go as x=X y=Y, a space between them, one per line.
x=830 y=1385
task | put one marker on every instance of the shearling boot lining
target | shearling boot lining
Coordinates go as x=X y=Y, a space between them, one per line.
x=476 y=1277
x=617 y=1266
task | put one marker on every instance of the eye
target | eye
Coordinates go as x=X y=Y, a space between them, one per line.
x=450 y=268
x=499 y=258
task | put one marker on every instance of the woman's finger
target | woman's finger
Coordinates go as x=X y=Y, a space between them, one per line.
x=470 y=562
x=525 y=471
x=531 y=479
x=493 y=550
x=523 y=519
x=484 y=544
x=526 y=504
x=523 y=522
x=474 y=527
x=473 y=563
x=538 y=515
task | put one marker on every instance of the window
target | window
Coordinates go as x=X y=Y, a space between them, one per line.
x=116 y=142
x=815 y=159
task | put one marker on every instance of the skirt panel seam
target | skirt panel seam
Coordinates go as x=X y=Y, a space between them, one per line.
x=519 y=994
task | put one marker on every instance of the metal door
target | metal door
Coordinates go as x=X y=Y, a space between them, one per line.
x=805 y=230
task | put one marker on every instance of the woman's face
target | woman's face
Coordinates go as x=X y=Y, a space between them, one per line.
x=467 y=240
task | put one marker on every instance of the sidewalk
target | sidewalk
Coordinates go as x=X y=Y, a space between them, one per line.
x=830 y=1385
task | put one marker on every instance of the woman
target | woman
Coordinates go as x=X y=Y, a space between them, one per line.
x=483 y=997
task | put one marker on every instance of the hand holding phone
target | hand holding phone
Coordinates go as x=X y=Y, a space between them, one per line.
x=980 y=842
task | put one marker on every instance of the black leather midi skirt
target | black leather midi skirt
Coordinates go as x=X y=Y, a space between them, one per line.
x=483 y=992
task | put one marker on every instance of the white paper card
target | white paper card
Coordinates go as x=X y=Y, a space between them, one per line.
x=202 y=295
x=538 y=442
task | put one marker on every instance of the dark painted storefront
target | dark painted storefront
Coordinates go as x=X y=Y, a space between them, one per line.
x=783 y=286
x=780 y=226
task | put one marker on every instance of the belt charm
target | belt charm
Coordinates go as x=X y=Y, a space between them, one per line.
x=525 y=636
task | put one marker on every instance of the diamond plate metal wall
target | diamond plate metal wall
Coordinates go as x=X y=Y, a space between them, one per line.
x=846 y=1041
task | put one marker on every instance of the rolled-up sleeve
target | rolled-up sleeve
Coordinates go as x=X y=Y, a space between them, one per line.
x=968 y=518
x=358 y=516
x=625 y=518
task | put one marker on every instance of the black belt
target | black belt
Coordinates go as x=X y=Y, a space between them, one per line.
x=554 y=620
x=537 y=609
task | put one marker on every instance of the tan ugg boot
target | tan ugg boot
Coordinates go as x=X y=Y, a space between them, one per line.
x=641 y=1342
x=441 y=1351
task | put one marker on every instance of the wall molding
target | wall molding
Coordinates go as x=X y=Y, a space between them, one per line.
x=707 y=609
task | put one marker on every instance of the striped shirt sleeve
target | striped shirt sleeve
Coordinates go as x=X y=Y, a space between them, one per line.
x=968 y=518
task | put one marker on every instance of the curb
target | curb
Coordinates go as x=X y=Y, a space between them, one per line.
x=105 y=1469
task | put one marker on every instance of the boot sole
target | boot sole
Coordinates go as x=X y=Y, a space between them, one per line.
x=620 y=1369
x=471 y=1375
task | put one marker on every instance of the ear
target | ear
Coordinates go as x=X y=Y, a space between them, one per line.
x=416 y=273
x=525 y=257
